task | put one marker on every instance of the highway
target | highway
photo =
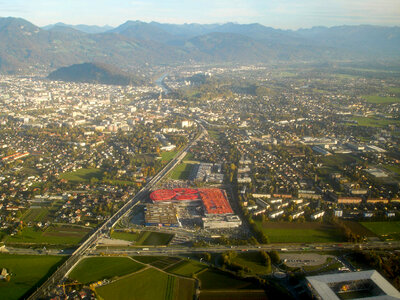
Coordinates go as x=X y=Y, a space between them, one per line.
x=318 y=247
x=91 y=242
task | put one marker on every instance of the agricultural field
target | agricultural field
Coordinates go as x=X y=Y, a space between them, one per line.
x=97 y=268
x=39 y=214
x=126 y=236
x=359 y=229
x=253 y=261
x=141 y=286
x=217 y=280
x=181 y=171
x=55 y=235
x=381 y=100
x=149 y=238
x=186 y=268
x=148 y=259
x=385 y=230
x=307 y=232
x=233 y=295
x=83 y=175
x=27 y=272
x=165 y=262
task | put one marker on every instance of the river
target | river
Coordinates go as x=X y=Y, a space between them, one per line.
x=160 y=83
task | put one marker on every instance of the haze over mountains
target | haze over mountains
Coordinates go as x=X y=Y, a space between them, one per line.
x=25 y=47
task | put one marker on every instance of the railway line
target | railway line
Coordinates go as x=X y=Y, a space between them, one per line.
x=44 y=290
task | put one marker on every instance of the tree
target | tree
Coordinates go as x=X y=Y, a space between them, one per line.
x=274 y=255
x=265 y=259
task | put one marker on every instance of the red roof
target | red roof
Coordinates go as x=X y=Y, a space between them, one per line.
x=215 y=200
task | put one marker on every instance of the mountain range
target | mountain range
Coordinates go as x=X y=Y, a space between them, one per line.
x=25 y=47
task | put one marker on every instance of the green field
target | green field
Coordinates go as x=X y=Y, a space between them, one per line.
x=28 y=271
x=381 y=100
x=148 y=259
x=218 y=280
x=126 y=236
x=394 y=169
x=395 y=90
x=181 y=171
x=252 y=260
x=386 y=230
x=188 y=157
x=56 y=235
x=36 y=215
x=186 y=268
x=374 y=122
x=359 y=229
x=97 y=268
x=165 y=263
x=148 y=284
x=338 y=160
x=307 y=232
x=83 y=175
x=149 y=238
x=166 y=156
x=233 y=295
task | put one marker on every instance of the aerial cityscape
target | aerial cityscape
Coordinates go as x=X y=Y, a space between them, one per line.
x=210 y=157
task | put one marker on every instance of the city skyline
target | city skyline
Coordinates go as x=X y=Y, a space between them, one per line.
x=287 y=14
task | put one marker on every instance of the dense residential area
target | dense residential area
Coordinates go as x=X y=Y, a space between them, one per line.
x=257 y=176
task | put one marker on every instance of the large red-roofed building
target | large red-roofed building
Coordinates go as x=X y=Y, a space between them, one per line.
x=215 y=201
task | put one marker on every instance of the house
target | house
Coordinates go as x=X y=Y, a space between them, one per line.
x=3 y=274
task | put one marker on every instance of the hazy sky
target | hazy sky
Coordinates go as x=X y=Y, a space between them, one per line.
x=285 y=14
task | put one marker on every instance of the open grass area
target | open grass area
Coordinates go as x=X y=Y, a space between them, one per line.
x=149 y=238
x=119 y=182
x=56 y=235
x=97 y=268
x=148 y=284
x=165 y=262
x=148 y=259
x=126 y=236
x=338 y=161
x=234 y=295
x=381 y=100
x=39 y=214
x=307 y=232
x=83 y=175
x=166 y=156
x=213 y=279
x=359 y=229
x=394 y=169
x=28 y=272
x=188 y=157
x=187 y=268
x=394 y=90
x=385 y=230
x=253 y=261
x=181 y=171
x=374 y=121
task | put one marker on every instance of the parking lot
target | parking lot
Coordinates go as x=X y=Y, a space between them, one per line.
x=304 y=259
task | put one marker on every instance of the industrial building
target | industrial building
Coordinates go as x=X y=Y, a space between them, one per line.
x=354 y=285
x=164 y=215
x=214 y=203
x=229 y=221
